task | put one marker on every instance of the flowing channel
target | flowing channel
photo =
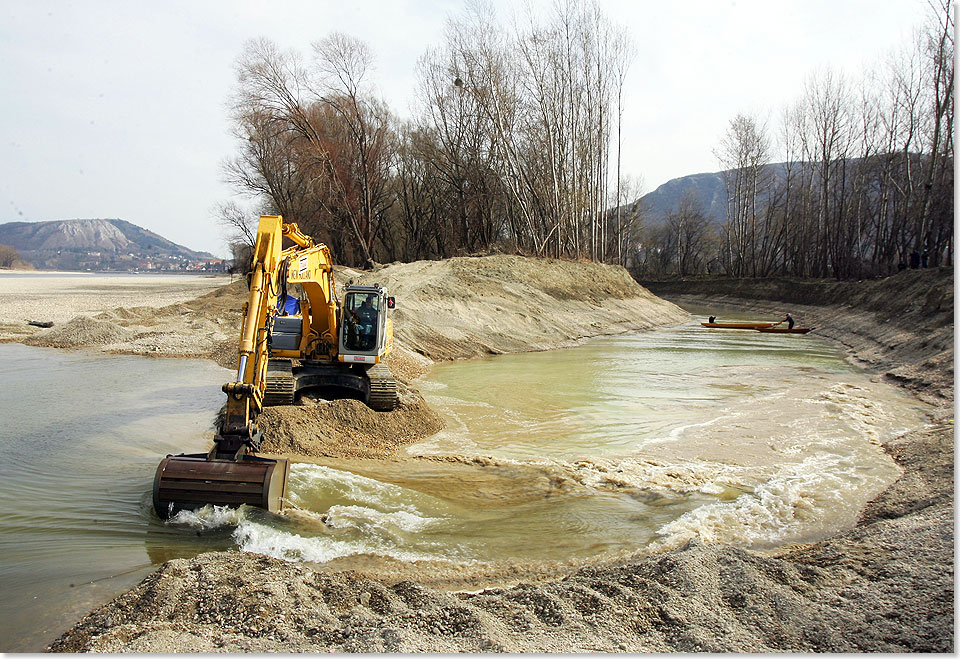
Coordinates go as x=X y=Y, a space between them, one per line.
x=628 y=443
x=623 y=444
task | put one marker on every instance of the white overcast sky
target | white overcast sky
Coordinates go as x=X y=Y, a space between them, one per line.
x=117 y=108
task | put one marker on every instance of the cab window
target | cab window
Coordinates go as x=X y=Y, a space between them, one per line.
x=360 y=326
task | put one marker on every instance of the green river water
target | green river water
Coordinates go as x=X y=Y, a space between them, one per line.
x=624 y=444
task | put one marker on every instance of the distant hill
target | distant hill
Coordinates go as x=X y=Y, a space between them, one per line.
x=706 y=188
x=99 y=244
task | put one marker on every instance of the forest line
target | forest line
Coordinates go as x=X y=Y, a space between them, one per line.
x=514 y=146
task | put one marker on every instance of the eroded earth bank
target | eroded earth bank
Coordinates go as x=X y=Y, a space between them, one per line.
x=885 y=585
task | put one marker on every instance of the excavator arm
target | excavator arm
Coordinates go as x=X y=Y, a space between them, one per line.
x=245 y=395
x=306 y=264
x=229 y=474
x=279 y=354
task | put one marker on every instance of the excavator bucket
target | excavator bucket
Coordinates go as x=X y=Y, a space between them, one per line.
x=191 y=481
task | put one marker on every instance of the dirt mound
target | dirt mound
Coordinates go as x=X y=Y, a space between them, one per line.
x=694 y=599
x=221 y=301
x=346 y=428
x=80 y=332
x=474 y=306
x=206 y=327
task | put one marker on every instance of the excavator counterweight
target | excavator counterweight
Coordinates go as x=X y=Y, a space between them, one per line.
x=296 y=336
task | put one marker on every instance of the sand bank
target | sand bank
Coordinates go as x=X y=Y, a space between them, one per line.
x=886 y=585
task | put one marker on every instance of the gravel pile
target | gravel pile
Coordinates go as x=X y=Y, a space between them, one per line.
x=81 y=332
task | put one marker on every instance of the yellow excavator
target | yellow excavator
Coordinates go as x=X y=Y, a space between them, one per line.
x=296 y=336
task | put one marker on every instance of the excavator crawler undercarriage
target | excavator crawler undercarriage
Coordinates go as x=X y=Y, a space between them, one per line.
x=383 y=388
x=280 y=386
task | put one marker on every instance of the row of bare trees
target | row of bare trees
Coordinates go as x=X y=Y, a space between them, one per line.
x=865 y=187
x=314 y=146
x=514 y=143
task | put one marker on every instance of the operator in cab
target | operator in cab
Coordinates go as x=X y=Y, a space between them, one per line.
x=366 y=318
x=366 y=313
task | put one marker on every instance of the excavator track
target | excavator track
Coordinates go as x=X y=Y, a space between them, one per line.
x=383 y=388
x=280 y=386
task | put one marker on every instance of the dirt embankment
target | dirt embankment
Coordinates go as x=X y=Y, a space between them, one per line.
x=470 y=307
x=901 y=326
x=886 y=585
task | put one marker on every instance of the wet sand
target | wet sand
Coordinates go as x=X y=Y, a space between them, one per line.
x=886 y=585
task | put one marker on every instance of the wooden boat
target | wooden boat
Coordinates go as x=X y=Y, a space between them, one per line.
x=737 y=325
x=785 y=330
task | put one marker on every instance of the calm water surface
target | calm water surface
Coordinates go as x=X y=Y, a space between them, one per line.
x=81 y=437
x=622 y=444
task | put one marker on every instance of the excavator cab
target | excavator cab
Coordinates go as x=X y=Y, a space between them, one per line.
x=365 y=331
x=362 y=324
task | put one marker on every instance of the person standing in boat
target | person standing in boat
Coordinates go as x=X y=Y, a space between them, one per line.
x=789 y=321
x=712 y=319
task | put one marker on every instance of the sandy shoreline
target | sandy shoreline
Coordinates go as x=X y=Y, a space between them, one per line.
x=60 y=297
x=886 y=585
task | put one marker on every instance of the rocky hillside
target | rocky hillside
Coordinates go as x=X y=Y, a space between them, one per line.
x=99 y=244
x=706 y=189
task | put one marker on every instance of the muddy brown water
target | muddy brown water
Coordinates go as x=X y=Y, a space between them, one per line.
x=627 y=443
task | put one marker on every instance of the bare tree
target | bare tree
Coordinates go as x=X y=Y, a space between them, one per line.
x=457 y=143
x=626 y=219
x=314 y=141
x=743 y=155
x=690 y=231
x=342 y=65
x=239 y=224
x=827 y=141
x=938 y=59
x=9 y=258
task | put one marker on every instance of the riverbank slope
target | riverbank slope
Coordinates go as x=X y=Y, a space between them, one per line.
x=886 y=585
x=901 y=326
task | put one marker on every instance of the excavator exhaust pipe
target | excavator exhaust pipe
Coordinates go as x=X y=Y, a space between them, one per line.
x=191 y=481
